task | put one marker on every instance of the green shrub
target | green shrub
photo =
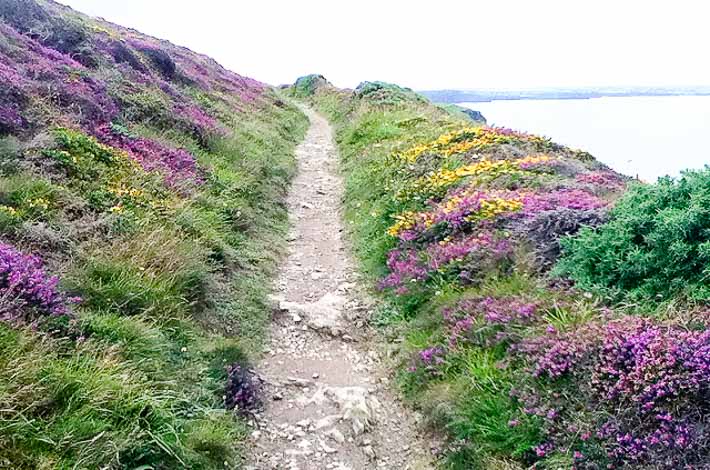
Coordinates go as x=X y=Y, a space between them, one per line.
x=656 y=245
x=29 y=198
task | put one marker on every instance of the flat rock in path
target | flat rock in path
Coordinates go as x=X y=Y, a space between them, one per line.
x=323 y=315
x=356 y=405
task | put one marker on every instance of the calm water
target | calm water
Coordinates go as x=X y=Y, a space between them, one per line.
x=646 y=137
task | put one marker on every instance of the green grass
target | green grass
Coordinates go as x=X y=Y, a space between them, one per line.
x=170 y=299
x=153 y=272
x=111 y=401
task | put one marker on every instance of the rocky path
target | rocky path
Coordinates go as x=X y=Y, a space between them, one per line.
x=327 y=403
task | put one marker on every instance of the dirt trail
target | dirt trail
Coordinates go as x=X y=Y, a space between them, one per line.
x=327 y=400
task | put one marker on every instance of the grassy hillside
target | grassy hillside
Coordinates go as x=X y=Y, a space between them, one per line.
x=461 y=228
x=139 y=186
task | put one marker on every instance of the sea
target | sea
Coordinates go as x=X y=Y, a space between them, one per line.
x=643 y=137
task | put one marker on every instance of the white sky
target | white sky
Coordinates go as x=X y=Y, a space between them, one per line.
x=436 y=44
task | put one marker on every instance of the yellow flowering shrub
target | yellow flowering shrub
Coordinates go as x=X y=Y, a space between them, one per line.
x=38 y=203
x=404 y=221
x=435 y=184
x=7 y=210
x=491 y=208
x=467 y=139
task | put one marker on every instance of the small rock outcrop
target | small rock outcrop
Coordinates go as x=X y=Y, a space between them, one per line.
x=475 y=116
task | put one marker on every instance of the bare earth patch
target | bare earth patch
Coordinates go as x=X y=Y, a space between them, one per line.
x=327 y=399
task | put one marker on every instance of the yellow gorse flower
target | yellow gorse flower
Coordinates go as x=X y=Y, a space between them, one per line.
x=466 y=139
x=491 y=208
x=532 y=159
x=8 y=210
x=39 y=203
x=446 y=144
x=404 y=221
x=433 y=184
x=121 y=190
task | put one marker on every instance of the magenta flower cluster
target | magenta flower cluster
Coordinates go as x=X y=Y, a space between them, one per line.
x=27 y=292
x=440 y=255
x=648 y=381
x=567 y=198
x=493 y=320
x=31 y=71
x=10 y=119
x=410 y=266
x=602 y=178
x=198 y=118
x=429 y=360
x=405 y=267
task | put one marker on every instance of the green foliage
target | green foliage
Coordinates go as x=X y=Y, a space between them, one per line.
x=656 y=245
x=29 y=198
x=106 y=178
x=147 y=105
x=102 y=406
x=483 y=414
x=80 y=154
x=307 y=85
x=387 y=93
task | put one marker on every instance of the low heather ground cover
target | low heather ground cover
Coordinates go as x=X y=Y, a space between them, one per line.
x=461 y=228
x=139 y=183
x=28 y=292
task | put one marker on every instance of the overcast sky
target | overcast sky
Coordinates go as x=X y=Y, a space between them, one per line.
x=436 y=44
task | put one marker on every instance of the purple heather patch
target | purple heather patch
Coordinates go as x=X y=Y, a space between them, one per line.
x=243 y=390
x=651 y=379
x=27 y=292
x=176 y=165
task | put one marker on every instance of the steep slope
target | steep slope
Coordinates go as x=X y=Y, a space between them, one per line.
x=139 y=186
x=459 y=226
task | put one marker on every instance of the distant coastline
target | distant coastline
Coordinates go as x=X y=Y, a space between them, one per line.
x=472 y=96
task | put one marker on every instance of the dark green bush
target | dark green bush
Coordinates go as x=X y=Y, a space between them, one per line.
x=655 y=246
